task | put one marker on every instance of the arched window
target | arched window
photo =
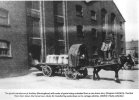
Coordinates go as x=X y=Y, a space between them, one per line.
x=112 y=18
x=103 y=16
x=104 y=21
x=113 y=23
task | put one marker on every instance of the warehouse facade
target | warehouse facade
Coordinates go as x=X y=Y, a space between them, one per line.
x=54 y=26
x=91 y=23
x=13 y=38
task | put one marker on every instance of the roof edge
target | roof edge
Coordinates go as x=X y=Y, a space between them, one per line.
x=119 y=11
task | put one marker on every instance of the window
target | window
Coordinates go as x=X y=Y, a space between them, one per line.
x=58 y=8
x=94 y=33
x=80 y=31
x=4 y=17
x=35 y=5
x=113 y=36
x=5 y=49
x=79 y=10
x=33 y=9
x=121 y=25
x=36 y=28
x=104 y=16
x=112 y=18
x=93 y=15
x=121 y=37
x=113 y=22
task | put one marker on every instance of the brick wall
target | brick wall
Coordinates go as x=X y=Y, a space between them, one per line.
x=74 y=20
x=15 y=33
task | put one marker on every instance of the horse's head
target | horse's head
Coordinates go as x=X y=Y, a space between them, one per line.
x=123 y=59
x=130 y=60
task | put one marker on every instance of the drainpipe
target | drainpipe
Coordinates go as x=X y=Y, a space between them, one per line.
x=65 y=27
x=44 y=31
x=41 y=32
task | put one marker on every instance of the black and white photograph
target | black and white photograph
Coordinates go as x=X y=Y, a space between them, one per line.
x=55 y=45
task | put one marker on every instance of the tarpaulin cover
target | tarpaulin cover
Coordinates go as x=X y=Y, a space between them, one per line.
x=75 y=53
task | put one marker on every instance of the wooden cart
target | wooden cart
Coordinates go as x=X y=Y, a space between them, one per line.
x=76 y=67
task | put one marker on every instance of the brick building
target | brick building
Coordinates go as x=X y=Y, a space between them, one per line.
x=132 y=48
x=54 y=26
x=13 y=38
x=71 y=22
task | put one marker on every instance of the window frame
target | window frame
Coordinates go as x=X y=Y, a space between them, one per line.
x=93 y=17
x=79 y=13
x=8 y=49
x=35 y=22
x=79 y=29
x=35 y=5
x=121 y=25
x=7 y=17
x=121 y=36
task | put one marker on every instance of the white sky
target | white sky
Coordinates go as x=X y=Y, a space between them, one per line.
x=129 y=9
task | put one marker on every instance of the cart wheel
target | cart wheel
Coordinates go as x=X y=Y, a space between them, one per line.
x=71 y=75
x=75 y=75
x=47 y=70
x=85 y=73
x=67 y=73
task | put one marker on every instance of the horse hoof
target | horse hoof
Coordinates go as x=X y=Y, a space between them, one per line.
x=98 y=78
x=117 y=80
x=94 y=78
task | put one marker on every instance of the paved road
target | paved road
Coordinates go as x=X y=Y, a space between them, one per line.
x=35 y=80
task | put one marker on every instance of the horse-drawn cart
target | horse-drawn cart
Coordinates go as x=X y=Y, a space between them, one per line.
x=75 y=66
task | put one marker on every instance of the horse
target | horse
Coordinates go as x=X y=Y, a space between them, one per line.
x=130 y=63
x=116 y=66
